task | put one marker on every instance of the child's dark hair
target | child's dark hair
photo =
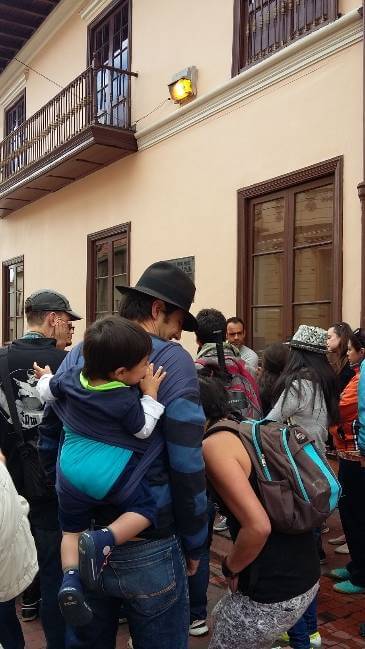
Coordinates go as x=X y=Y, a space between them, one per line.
x=111 y=343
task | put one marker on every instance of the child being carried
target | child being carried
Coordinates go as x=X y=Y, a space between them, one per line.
x=105 y=422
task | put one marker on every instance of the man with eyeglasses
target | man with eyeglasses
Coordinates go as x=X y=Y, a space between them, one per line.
x=50 y=325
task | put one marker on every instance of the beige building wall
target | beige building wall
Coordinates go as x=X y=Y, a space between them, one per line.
x=167 y=36
x=180 y=195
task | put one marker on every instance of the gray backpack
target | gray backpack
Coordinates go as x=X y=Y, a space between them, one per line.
x=296 y=485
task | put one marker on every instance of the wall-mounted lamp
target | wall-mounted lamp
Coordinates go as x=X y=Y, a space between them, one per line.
x=183 y=85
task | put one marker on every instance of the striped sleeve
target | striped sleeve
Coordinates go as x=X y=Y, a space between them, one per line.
x=184 y=427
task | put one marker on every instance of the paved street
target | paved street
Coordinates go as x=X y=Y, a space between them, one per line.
x=339 y=615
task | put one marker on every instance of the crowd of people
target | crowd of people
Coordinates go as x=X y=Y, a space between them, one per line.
x=130 y=453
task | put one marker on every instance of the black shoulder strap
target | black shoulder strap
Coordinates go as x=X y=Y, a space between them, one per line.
x=9 y=394
x=224 y=424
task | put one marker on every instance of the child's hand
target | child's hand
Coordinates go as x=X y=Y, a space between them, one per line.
x=151 y=382
x=39 y=371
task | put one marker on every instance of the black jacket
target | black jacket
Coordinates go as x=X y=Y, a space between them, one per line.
x=22 y=354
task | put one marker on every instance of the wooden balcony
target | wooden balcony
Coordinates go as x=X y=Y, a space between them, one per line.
x=84 y=128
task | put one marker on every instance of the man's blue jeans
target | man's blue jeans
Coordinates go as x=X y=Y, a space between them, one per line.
x=11 y=634
x=149 y=579
x=306 y=626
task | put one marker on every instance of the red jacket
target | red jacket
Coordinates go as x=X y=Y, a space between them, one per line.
x=343 y=434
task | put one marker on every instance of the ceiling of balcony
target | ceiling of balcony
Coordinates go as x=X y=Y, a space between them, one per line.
x=19 y=19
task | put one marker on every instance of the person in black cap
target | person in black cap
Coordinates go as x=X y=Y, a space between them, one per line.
x=149 y=575
x=49 y=330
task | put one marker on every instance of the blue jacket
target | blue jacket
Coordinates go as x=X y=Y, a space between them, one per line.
x=110 y=416
x=361 y=407
x=177 y=476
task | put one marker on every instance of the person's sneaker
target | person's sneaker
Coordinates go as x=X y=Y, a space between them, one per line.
x=220 y=523
x=283 y=638
x=71 y=600
x=324 y=528
x=198 y=628
x=130 y=644
x=338 y=540
x=348 y=588
x=362 y=629
x=94 y=548
x=315 y=640
x=342 y=549
x=30 y=611
x=339 y=573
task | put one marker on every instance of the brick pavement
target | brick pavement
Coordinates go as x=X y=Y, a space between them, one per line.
x=339 y=615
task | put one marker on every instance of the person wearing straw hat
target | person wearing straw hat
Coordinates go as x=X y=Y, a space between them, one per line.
x=149 y=575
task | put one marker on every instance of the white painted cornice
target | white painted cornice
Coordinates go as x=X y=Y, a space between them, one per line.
x=92 y=9
x=291 y=60
x=11 y=95
x=56 y=19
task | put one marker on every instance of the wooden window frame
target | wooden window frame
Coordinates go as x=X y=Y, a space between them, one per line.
x=239 y=44
x=5 y=292
x=330 y=168
x=102 y=17
x=110 y=9
x=9 y=109
x=117 y=231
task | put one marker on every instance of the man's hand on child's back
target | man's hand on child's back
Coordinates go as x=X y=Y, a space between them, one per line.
x=151 y=382
x=39 y=371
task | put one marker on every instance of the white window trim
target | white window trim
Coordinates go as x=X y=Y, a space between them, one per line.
x=93 y=9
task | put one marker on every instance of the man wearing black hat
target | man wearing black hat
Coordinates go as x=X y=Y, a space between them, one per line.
x=148 y=575
x=50 y=327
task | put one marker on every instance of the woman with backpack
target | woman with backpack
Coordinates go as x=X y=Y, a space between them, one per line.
x=307 y=395
x=269 y=588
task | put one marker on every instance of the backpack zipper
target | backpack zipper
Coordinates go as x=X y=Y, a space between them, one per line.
x=293 y=465
x=259 y=453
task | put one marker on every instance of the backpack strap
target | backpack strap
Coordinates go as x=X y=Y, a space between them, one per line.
x=224 y=424
x=9 y=394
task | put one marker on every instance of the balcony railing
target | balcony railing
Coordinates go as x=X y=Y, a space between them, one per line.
x=268 y=25
x=96 y=97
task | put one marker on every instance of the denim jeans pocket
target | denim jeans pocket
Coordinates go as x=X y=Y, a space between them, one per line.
x=147 y=584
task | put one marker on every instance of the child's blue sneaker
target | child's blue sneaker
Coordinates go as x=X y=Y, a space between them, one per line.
x=72 y=602
x=94 y=548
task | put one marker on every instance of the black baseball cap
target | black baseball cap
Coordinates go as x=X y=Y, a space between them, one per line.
x=47 y=300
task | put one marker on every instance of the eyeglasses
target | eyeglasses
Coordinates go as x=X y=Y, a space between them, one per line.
x=68 y=323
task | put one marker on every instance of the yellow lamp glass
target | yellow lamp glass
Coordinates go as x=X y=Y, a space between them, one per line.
x=182 y=89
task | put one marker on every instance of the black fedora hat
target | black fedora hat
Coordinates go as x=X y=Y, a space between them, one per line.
x=166 y=282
